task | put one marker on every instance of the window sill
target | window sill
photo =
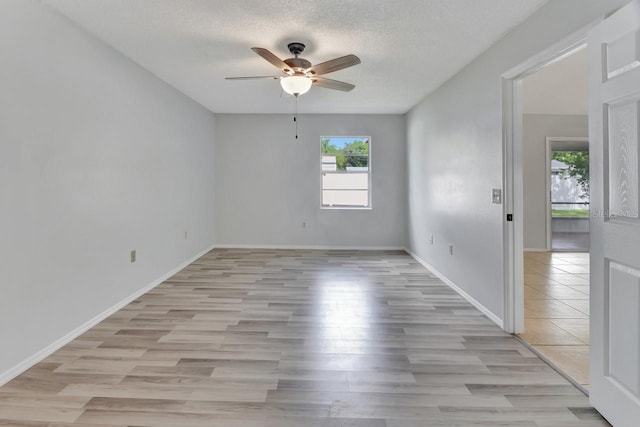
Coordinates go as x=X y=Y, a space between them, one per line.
x=348 y=208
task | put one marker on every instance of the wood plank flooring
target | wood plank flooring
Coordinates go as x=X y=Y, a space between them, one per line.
x=282 y=338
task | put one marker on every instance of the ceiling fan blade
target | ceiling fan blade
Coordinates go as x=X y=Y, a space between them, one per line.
x=334 y=65
x=252 y=78
x=332 y=84
x=279 y=63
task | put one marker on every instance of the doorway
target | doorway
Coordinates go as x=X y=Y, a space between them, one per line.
x=567 y=173
x=614 y=123
x=550 y=296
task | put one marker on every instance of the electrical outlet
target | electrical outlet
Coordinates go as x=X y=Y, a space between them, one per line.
x=431 y=239
x=186 y=235
x=304 y=224
x=450 y=248
x=133 y=256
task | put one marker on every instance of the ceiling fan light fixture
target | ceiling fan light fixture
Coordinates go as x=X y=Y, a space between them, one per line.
x=296 y=85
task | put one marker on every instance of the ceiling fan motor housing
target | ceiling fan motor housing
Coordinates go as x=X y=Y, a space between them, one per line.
x=297 y=64
x=296 y=48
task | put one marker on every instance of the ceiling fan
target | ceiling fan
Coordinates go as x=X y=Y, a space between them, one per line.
x=299 y=74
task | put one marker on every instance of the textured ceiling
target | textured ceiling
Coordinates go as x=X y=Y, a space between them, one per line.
x=408 y=47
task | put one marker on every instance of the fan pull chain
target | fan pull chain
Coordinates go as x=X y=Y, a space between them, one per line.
x=295 y=114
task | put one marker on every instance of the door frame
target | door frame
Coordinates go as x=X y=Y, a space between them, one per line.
x=549 y=149
x=512 y=171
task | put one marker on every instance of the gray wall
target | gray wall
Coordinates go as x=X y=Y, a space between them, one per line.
x=97 y=157
x=454 y=155
x=268 y=184
x=535 y=129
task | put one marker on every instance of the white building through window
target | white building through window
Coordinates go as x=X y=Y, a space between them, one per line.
x=346 y=171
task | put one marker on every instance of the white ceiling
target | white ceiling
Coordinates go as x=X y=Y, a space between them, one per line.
x=408 y=47
x=559 y=88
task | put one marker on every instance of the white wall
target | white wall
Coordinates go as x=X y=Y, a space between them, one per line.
x=558 y=88
x=97 y=157
x=535 y=129
x=454 y=155
x=268 y=184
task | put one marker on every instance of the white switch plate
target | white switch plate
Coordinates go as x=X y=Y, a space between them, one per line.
x=496 y=196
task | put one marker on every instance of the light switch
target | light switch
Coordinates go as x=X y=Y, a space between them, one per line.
x=496 y=196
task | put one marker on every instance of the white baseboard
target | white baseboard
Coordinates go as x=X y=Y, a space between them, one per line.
x=56 y=345
x=536 y=250
x=495 y=319
x=310 y=247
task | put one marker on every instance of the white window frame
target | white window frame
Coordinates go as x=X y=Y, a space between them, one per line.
x=322 y=173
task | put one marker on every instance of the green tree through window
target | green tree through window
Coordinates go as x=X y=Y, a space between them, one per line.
x=578 y=167
x=346 y=172
x=349 y=154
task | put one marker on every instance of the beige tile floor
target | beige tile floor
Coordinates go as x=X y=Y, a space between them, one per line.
x=557 y=309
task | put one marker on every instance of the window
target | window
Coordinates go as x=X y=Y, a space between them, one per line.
x=346 y=171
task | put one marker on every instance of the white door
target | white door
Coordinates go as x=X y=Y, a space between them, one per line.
x=614 y=126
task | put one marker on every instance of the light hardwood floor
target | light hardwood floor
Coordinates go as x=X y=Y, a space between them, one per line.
x=296 y=338
x=557 y=309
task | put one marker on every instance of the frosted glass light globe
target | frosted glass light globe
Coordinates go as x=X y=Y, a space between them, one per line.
x=296 y=85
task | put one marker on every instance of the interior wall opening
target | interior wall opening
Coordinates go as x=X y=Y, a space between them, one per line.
x=568 y=210
x=556 y=215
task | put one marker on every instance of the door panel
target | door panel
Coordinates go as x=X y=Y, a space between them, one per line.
x=624 y=298
x=623 y=160
x=614 y=122
x=623 y=54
